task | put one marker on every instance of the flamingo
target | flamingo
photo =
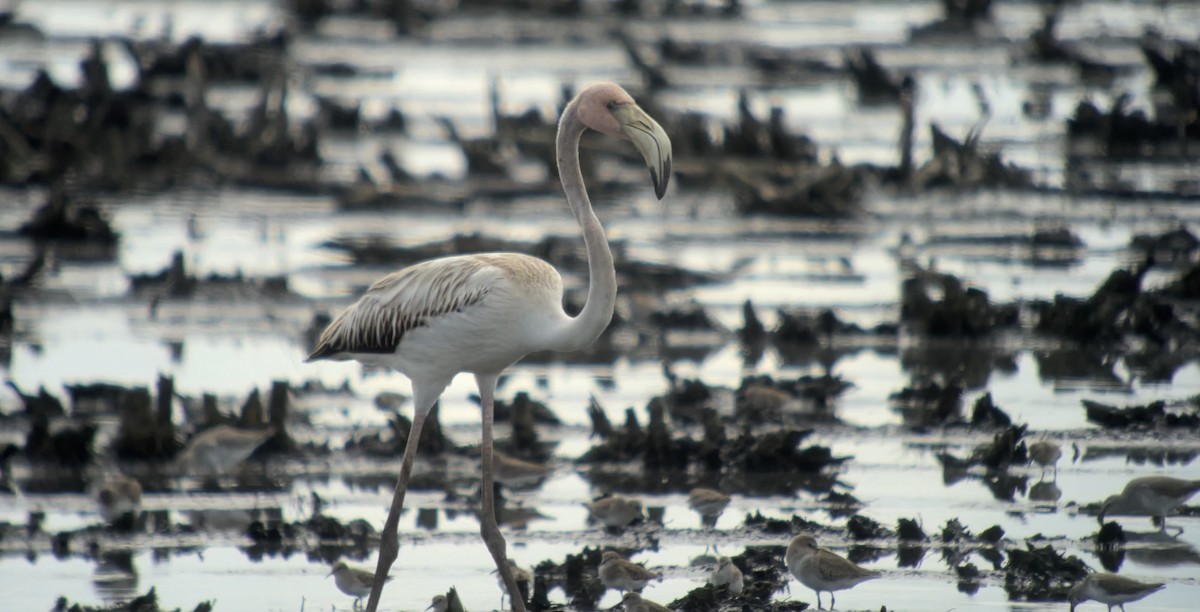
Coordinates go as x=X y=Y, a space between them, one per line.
x=481 y=313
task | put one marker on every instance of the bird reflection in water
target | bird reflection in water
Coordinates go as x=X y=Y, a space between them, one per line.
x=1047 y=492
x=1156 y=548
x=115 y=577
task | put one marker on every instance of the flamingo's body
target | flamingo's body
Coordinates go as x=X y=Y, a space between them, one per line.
x=481 y=313
x=497 y=306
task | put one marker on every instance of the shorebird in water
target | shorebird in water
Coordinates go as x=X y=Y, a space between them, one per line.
x=353 y=581
x=1157 y=496
x=622 y=575
x=1110 y=590
x=822 y=570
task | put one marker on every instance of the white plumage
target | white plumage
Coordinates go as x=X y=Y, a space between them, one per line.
x=469 y=313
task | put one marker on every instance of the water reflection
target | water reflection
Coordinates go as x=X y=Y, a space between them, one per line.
x=1003 y=485
x=1045 y=492
x=1159 y=549
x=970 y=365
x=1151 y=548
x=910 y=555
x=115 y=578
x=1154 y=454
x=231 y=520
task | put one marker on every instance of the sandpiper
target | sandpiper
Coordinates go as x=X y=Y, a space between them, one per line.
x=1156 y=496
x=353 y=581
x=822 y=570
x=632 y=602
x=448 y=602
x=217 y=450
x=1046 y=453
x=1111 y=590
x=517 y=472
x=616 y=511
x=439 y=603
x=119 y=498
x=728 y=574
x=621 y=575
x=522 y=576
x=708 y=503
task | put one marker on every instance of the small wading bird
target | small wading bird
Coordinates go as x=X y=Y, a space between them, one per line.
x=217 y=450
x=1110 y=590
x=119 y=499
x=1157 y=496
x=1045 y=453
x=522 y=575
x=615 y=511
x=439 y=604
x=728 y=574
x=446 y=603
x=517 y=472
x=353 y=581
x=822 y=570
x=621 y=575
x=632 y=602
x=482 y=313
x=709 y=504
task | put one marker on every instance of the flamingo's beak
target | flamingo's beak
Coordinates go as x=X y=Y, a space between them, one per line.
x=650 y=140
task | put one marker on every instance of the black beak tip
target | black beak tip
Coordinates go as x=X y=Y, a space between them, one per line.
x=661 y=181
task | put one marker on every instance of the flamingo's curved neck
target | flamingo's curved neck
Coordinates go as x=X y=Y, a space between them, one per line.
x=584 y=329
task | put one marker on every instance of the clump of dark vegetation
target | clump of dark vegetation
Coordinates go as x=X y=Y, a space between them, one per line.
x=1041 y=574
x=909 y=530
x=1144 y=417
x=769 y=451
x=961 y=312
x=863 y=528
x=142 y=603
x=64 y=218
x=577 y=576
x=789 y=527
x=764 y=574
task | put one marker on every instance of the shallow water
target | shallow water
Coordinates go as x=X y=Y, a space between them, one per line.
x=83 y=326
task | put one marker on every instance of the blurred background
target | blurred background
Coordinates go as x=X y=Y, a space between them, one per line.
x=882 y=213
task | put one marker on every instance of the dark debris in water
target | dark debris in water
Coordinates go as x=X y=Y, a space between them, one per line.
x=909 y=530
x=768 y=451
x=791 y=526
x=63 y=217
x=864 y=528
x=985 y=413
x=928 y=403
x=1146 y=417
x=142 y=603
x=576 y=575
x=941 y=306
x=991 y=535
x=1041 y=573
x=175 y=282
